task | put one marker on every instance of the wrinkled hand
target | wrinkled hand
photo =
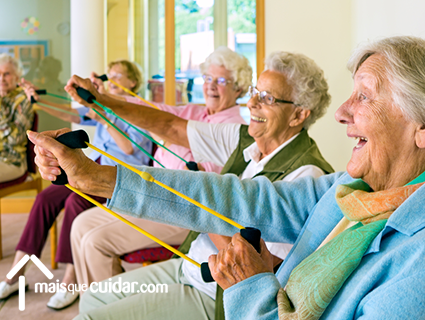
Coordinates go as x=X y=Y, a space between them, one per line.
x=50 y=155
x=200 y=167
x=74 y=83
x=239 y=261
x=97 y=83
x=29 y=89
x=93 y=115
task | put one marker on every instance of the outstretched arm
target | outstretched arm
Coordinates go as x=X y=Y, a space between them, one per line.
x=164 y=124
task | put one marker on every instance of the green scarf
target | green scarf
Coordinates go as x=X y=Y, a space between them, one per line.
x=318 y=278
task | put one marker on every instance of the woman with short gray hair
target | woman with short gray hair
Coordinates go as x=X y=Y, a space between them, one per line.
x=310 y=89
x=16 y=117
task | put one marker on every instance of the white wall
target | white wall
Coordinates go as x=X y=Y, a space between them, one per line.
x=50 y=14
x=322 y=31
x=374 y=19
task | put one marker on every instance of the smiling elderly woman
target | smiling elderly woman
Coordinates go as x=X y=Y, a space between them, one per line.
x=371 y=270
x=291 y=95
x=16 y=116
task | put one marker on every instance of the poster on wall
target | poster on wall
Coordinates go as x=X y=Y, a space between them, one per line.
x=30 y=52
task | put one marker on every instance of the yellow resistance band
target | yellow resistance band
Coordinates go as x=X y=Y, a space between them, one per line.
x=146 y=176
x=147 y=234
x=133 y=94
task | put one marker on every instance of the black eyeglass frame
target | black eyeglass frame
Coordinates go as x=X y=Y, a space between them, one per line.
x=253 y=91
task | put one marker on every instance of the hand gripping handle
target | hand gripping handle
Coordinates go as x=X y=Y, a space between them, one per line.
x=192 y=166
x=103 y=77
x=74 y=140
x=252 y=235
x=85 y=95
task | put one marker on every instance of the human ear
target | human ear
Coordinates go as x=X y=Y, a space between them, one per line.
x=300 y=115
x=420 y=136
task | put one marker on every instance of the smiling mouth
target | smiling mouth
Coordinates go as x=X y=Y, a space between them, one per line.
x=361 y=142
x=258 y=119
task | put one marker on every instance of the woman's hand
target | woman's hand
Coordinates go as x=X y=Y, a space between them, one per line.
x=83 y=173
x=29 y=89
x=239 y=261
x=76 y=82
x=93 y=115
x=97 y=83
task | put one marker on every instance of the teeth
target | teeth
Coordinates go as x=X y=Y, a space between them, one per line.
x=357 y=146
x=258 y=119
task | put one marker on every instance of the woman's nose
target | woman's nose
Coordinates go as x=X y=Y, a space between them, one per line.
x=344 y=113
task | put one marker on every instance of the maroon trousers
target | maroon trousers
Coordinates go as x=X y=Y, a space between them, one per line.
x=46 y=208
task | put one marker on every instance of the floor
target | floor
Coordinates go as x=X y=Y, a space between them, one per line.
x=35 y=303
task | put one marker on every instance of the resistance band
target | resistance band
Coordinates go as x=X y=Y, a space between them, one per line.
x=86 y=95
x=80 y=139
x=42 y=91
x=104 y=77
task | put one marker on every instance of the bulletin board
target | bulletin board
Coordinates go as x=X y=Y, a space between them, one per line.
x=28 y=51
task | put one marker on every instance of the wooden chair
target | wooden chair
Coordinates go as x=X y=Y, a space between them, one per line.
x=31 y=180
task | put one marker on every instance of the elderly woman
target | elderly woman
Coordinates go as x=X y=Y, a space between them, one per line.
x=49 y=203
x=371 y=270
x=16 y=116
x=275 y=145
x=98 y=239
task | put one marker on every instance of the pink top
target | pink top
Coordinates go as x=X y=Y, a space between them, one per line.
x=191 y=112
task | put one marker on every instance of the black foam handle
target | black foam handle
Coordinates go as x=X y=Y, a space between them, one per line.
x=33 y=100
x=103 y=77
x=85 y=118
x=74 y=139
x=86 y=95
x=252 y=235
x=41 y=91
x=192 y=166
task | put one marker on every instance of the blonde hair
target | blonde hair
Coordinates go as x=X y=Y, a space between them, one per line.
x=133 y=72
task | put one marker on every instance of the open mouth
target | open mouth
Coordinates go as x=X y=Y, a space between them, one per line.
x=361 y=141
x=258 y=119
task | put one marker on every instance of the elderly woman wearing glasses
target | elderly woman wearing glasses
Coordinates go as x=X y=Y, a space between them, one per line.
x=275 y=145
x=358 y=235
x=98 y=239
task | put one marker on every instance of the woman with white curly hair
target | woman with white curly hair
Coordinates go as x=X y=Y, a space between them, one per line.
x=16 y=116
x=98 y=240
x=291 y=94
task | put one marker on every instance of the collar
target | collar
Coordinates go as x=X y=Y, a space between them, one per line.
x=408 y=219
x=253 y=152
x=226 y=112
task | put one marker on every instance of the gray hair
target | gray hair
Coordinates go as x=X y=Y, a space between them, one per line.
x=404 y=62
x=5 y=58
x=309 y=87
x=237 y=64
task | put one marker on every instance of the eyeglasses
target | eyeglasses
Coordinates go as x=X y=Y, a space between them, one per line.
x=265 y=97
x=222 y=82
x=114 y=75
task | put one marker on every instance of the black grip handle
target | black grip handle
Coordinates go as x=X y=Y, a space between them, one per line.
x=33 y=100
x=252 y=235
x=41 y=91
x=74 y=140
x=85 y=118
x=192 y=166
x=86 y=95
x=103 y=77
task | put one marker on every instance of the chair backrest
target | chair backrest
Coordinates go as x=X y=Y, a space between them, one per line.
x=30 y=147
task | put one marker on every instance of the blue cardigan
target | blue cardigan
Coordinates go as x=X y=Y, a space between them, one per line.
x=388 y=284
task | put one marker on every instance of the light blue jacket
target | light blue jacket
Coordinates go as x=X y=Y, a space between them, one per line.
x=104 y=141
x=388 y=284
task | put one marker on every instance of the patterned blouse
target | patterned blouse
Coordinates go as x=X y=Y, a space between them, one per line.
x=16 y=117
